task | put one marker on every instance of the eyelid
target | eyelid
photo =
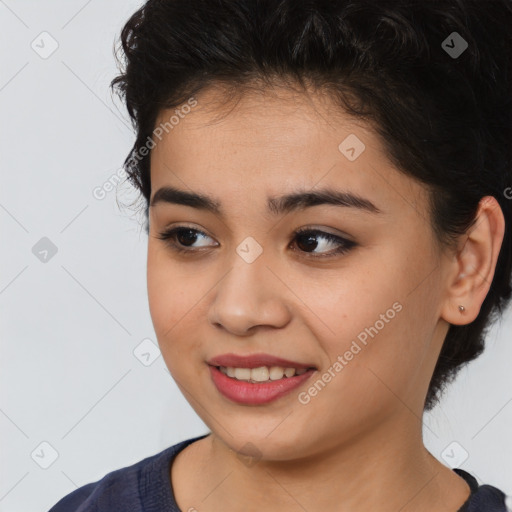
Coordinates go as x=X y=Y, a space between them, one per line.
x=167 y=233
x=307 y=227
x=176 y=226
x=312 y=227
x=344 y=242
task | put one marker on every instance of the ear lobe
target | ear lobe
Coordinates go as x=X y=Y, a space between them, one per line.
x=474 y=264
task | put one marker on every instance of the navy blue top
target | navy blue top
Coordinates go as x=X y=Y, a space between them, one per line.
x=145 y=487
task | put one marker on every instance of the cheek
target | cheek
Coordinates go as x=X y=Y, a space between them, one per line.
x=170 y=289
x=176 y=297
x=167 y=294
x=161 y=294
x=372 y=367
x=377 y=326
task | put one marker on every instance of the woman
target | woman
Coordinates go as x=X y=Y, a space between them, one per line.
x=327 y=192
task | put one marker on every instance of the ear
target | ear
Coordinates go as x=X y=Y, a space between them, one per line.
x=473 y=264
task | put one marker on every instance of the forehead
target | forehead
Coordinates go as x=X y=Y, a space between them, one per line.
x=270 y=141
x=258 y=116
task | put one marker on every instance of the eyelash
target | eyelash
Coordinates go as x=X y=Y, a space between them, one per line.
x=345 y=245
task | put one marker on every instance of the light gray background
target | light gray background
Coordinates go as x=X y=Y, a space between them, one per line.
x=69 y=376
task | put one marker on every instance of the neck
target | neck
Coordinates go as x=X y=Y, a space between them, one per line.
x=389 y=470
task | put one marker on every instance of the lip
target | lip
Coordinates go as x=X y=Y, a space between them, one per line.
x=255 y=361
x=247 y=393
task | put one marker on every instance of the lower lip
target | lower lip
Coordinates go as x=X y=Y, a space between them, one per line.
x=243 y=392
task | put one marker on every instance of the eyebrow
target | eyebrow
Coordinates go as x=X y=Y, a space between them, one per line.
x=296 y=201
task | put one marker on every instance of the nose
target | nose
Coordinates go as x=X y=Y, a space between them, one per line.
x=249 y=296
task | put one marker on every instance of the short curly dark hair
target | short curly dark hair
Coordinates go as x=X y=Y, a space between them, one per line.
x=445 y=117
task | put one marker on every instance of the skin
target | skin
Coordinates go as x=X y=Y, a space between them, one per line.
x=357 y=445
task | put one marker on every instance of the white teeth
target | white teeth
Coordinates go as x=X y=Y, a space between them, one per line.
x=262 y=373
x=289 y=372
x=259 y=374
x=243 y=373
x=276 y=373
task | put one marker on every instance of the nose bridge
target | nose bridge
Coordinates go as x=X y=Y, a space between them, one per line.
x=250 y=267
x=249 y=280
x=249 y=294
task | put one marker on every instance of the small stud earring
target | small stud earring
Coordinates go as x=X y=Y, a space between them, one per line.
x=462 y=309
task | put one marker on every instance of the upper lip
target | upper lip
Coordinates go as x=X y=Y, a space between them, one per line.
x=255 y=361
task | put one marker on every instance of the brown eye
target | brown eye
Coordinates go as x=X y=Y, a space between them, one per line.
x=181 y=238
x=309 y=240
x=313 y=243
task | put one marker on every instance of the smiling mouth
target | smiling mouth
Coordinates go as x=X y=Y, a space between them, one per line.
x=261 y=374
x=259 y=385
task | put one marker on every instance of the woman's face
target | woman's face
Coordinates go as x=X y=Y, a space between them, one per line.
x=368 y=318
